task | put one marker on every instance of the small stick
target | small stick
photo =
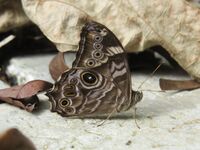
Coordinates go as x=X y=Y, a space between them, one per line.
x=6 y=40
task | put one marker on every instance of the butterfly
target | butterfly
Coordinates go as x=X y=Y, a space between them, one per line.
x=99 y=81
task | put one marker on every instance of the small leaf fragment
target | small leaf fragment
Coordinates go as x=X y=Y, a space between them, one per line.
x=166 y=84
x=57 y=66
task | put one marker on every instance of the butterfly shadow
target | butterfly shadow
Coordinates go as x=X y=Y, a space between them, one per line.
x=43 y=106
x=118 y=116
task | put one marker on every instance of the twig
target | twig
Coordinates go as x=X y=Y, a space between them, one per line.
x=6 y=40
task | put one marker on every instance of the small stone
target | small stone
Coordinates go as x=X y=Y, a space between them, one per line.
x=129 y=142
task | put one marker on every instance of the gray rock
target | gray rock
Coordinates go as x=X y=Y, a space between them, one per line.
x=167 y=120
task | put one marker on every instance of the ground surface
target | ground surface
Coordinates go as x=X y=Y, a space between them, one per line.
x=167 y=120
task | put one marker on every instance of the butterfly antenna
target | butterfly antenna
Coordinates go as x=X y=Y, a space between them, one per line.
x=151 y=75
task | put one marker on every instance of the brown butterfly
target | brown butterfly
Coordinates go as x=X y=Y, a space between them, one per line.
x=99 y=81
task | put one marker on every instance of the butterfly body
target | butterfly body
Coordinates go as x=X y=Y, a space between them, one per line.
x=99 y=81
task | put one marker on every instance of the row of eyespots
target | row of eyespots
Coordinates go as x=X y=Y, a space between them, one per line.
x=97 y=54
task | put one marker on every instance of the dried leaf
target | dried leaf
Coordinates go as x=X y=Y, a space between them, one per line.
x=166 y=84
x=24 y=96
x=26 y=90
x=57 y=66
x=13 y=139
x=139 y=24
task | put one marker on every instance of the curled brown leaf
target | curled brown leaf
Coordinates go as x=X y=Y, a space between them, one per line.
x=24 y=96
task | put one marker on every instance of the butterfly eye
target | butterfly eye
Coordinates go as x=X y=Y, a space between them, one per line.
x=97 y=46
x=98 y=38
x=98 y=30
x=64 y=102
x=90 y=63
x=89 y=78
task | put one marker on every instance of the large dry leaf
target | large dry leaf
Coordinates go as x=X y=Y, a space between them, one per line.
x=11 y=15
x=138 y=24
x=62 y=26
